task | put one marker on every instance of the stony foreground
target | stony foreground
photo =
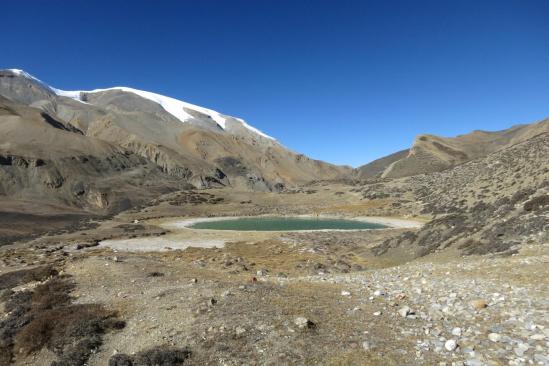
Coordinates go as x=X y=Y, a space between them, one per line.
x=219 y=308
x=466 y=312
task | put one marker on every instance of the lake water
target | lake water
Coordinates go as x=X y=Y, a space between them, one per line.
x=285 y=224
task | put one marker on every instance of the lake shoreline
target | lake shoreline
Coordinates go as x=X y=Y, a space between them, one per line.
x=389 y=222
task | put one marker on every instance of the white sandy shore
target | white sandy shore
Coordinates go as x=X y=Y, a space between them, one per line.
x=156 y=244
x=392 y=222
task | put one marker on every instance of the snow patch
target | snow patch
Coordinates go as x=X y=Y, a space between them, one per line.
x=253 y=129
x=25 y=74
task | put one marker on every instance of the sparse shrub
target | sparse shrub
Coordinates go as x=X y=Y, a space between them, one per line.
x=537 y=203
x=521 y=195
x=120 y=359
x=159 y=356
x=17 y=307
x=475 y=247
x=155 y=274
x=162 y=356
x=52 y=294
x=45 y=317
x=17 y=278
x=59 y=328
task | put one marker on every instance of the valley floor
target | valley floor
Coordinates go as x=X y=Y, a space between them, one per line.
x=283 y=298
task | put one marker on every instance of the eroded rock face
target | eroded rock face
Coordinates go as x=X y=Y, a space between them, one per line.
x=97 y=199
x=52 y=178
x=95 y=183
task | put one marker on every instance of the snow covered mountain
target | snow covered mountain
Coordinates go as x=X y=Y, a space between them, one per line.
x=175 y=107
x=124 y=132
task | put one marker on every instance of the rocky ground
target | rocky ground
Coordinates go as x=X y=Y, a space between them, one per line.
x=474 y=311
x=298 y=300
x=467 y=288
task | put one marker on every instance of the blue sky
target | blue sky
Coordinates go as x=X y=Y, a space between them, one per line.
x=342 y=81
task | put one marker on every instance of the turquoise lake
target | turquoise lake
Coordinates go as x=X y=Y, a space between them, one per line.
x=285 y=224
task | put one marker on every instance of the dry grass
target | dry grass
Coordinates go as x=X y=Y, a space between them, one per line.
x=45 y=317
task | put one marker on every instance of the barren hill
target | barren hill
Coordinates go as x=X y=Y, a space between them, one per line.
x=430 y=153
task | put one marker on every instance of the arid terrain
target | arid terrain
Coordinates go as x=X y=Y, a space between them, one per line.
x=97 y=268
x=379 y=297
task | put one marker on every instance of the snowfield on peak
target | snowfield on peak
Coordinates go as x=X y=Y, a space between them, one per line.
x=171 y=105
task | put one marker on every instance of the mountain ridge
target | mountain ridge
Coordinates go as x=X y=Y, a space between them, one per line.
x=431 y=153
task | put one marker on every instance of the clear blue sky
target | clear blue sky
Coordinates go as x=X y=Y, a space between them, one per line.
x=341 y=81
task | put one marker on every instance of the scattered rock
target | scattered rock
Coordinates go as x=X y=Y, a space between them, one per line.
x=405 y=311
x=521 y=348
x=479 y=304
x=303 y=322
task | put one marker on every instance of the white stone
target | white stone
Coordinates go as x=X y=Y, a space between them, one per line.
x=494 y=337
x=405 y=311
x=521 y=348
x=301 y=322
x=450 y=344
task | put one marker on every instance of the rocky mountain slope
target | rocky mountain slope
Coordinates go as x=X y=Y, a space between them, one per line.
x=378 y=166
x=46 y=160
x=495 y=204
x=74 y=147
x=431 y=153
